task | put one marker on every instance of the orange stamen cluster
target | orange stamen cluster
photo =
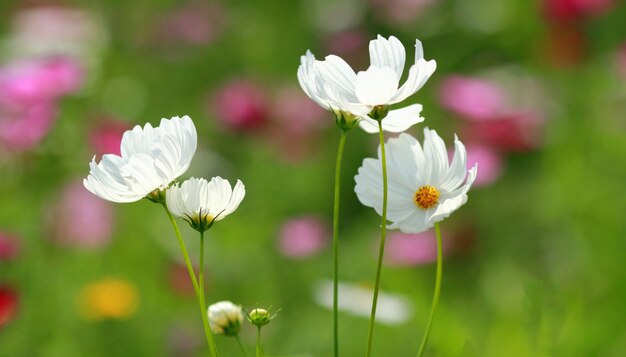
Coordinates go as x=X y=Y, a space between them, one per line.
x=426 y=197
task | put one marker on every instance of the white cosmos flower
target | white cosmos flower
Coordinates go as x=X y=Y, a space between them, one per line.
x=151 y=158
x=355 y=299
x=201 y=202
x=335 y=86
x=424 y=187
x=225 y=318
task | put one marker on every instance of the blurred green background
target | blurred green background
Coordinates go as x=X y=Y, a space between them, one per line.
x=534 y=265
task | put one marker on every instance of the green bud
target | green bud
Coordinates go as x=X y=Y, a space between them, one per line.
x=345 y=120
x=157 y=196
x=379 y=112
x=260 y=317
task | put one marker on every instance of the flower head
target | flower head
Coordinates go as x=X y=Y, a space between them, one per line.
x=424 y=187
x=225 y=318
x=260 y=317
x=151 y=158
x=201 y=202
x=335 y=86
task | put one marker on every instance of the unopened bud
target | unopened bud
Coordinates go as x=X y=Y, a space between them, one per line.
x=225 y=318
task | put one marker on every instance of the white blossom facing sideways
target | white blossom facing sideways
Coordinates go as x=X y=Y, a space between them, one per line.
x=225 y=318
x=424 y=187
x=201 y=202
x=151 y=158
x=335 y=86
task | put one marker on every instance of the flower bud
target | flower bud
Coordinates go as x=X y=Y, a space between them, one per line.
x=379 y=112
x=225 y=318
x=345 y=120
x=260 y=317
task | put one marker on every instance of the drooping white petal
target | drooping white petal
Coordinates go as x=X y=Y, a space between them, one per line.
x=419 y=73
x=151 y=158
x=376 y=86
x=236 y=197
x=396 y=121
x=387 y=53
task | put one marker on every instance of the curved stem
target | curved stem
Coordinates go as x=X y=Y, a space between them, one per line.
x=342 y=142
x=383 y=232
x=243 y=350
x=196 y=287
x=258 y=342
x=436 y=293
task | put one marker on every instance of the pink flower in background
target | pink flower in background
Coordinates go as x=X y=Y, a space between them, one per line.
x=569 y=10
x=241 y=105
x=489 y=161
x=303 y=236
x=296 y=111
x=81 y=219
x=194 y=23
x=179 y=281
x=503 y=112
x=9 y=246
x=351 y=45
x=9 y=302
x=29 y=92
x=471 y=97
x=106 y=137
x=520 y=131
x=400 y=11
x=412 y=249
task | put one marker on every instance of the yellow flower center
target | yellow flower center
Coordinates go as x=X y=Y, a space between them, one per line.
x=426 y=197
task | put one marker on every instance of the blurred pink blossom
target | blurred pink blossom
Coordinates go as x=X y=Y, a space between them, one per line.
x=9 y=301
x=81 y=219
x=29 y=92
x=351 y=45
x=400 y=11
x=106 y=137
x=194 y=23
x=9 y=246
x=241 y=105
x=569 y=10
x=489 y=161
x=412 y=249
x=303 y=236
x=471 y=97
x=521 y=131
x=495 y=114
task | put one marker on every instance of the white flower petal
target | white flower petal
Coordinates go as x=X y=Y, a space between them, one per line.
x=419 y=73
x=396 y=121
x=410 y=168
x=151 y=158
x=388 y=53
x=376 y=86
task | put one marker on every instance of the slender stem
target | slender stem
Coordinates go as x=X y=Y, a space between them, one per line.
x=243 y=350
x=258 y=342
x=436 y=293
x=205 y=319
x=342 y=142
x=383 y=232
x=192 y=276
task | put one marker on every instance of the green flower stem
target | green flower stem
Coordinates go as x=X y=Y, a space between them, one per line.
x=342 y=142
x=243 y=350
x=383 y=232
x=196 y=287
x=205 y=319
x=258 y=342
x=436 y=294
